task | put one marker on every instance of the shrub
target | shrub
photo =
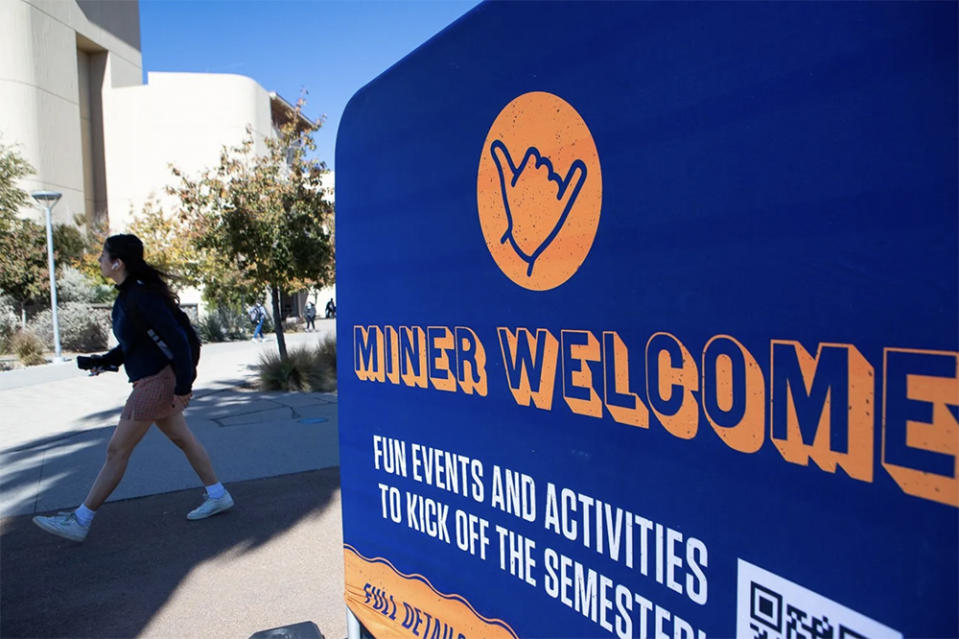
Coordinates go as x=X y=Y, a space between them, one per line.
x=223 y=324
x=326 y=351
x=82 y=328
x=237 y=321
x=210 y=328
x=74 y=286
x=8 y=323
x=306 y=369
x=104 y=294
x=28 y=347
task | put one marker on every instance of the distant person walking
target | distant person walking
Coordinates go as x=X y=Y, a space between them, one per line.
x=330 y=309
x=257 y=317
x=155 y=350
x=310 y=315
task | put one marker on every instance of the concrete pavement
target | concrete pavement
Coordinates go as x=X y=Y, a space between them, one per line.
x=144 y=570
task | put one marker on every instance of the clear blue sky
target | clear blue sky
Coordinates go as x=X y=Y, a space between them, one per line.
x=329 y=47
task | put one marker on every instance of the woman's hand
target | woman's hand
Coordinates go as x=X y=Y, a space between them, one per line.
x=180 y=402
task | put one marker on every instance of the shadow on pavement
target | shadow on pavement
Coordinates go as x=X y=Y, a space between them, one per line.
x=138 y=553
x=72 y=458
x=142 y=552
x=112 y=414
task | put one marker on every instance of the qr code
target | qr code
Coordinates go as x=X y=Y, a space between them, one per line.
x=769 y=622
x=771 y=607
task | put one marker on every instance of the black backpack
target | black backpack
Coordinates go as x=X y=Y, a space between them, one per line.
x=183 y=320
x=191 y=335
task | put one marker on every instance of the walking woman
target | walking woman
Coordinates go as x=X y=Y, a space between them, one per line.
x=155 y=352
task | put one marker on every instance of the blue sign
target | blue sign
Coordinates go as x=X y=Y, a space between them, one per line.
x=648 y=324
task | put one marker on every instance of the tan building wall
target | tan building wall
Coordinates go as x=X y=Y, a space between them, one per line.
x=182 y=119
x=73 y=103
x=57 y=57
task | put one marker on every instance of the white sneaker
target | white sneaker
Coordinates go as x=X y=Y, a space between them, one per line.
x=64 y=525
x=211 y=506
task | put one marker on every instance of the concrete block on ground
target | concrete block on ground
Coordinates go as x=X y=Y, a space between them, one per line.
x=302 y=630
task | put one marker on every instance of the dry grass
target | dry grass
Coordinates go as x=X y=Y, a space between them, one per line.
x=29 y=348
x=309 y=369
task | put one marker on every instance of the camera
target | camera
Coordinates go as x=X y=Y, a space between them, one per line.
x=93 y=362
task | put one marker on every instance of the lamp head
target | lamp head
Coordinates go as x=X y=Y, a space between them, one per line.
x=46 y=198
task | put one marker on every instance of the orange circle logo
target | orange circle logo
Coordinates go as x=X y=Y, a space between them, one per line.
x=539 y=190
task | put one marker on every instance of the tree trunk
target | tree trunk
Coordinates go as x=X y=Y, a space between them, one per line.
x=23 y=317
x=278 y=322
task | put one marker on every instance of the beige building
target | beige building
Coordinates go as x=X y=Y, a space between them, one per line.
x=73 y=103
x=182 y=119
x=58 y=58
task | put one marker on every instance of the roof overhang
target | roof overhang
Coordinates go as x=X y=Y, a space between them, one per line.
x=282 y=112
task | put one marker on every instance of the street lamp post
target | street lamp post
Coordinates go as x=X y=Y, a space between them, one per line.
x=49 y=199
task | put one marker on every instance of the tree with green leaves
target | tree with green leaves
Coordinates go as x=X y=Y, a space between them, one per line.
x=167 y=244
x=262 y=221
x=12 y=168
x=171 y=245
x=24 y=275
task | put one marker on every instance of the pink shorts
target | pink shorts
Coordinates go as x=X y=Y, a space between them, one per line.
x=152 y=398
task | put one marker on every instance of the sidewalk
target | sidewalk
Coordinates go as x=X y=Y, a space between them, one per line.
x=145 y=571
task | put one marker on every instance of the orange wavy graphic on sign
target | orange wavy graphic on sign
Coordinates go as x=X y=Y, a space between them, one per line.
x=394 y=604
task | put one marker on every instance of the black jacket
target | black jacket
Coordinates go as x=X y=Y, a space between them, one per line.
x=137 y=351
